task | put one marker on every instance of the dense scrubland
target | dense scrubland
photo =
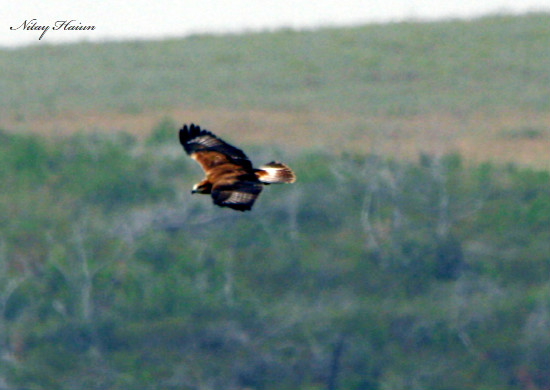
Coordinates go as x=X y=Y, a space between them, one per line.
x=383 y=267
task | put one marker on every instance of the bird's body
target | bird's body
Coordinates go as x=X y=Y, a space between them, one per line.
x=230 y=179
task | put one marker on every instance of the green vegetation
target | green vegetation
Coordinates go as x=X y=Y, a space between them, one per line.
x=395 y=69
x=479 y=88
x=366 y=274
x=382 y=268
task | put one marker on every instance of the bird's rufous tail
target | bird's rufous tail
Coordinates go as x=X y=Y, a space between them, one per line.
x=275 y=172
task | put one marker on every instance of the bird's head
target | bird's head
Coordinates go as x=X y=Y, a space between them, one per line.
x=201 y=188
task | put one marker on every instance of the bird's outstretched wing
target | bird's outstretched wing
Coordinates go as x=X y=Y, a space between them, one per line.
x=209 y=150
x=239 y=195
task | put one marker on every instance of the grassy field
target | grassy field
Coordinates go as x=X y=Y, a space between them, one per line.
x=480 y=88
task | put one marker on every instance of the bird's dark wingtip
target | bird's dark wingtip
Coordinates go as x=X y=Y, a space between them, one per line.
x=188 y=132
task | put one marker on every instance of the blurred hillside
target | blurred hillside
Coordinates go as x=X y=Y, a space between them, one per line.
x=366 y=273
x=479 y=88
x=412 y=252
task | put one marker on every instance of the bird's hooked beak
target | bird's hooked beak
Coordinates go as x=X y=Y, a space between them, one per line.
x=193 y=191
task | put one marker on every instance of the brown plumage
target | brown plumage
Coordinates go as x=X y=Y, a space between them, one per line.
x=230 y=179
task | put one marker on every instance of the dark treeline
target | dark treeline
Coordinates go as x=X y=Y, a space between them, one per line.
x=367 y=273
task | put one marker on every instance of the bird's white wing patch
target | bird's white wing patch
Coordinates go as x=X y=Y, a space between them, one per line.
x=240 y=197
x=206 y=140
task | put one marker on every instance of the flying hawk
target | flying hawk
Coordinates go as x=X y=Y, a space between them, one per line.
x=230 y=178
